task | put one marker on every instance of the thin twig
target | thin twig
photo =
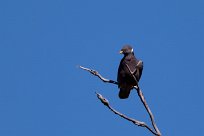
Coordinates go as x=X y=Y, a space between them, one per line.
x=140 y=94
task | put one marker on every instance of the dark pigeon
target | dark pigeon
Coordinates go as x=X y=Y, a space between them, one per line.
x=129 y=72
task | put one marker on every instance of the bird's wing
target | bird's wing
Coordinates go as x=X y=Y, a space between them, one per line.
x=135 y=68
x=139 y=68
x=131 y=63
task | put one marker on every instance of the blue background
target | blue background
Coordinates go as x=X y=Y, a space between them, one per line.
x=43 y=93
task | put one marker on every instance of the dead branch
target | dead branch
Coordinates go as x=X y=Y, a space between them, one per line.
x=141 y=96
x=134 y=121
x=95 y=73
x=139 y=92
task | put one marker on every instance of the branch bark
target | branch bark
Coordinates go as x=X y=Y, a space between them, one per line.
x=141 y=96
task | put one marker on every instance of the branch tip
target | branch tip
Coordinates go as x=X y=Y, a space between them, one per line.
x=103 y=100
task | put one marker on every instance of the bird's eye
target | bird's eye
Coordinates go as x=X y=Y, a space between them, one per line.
x=132 y=50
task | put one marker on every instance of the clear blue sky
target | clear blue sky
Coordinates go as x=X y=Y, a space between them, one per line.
x=43 y=93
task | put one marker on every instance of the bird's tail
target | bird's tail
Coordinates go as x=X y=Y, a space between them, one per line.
x=124 y=93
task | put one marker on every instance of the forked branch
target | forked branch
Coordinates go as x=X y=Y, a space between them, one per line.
x=140 y=94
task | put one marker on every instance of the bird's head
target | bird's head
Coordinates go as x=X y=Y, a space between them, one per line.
x=127 y=49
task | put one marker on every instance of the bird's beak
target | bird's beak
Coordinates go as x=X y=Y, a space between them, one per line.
x=121 y=52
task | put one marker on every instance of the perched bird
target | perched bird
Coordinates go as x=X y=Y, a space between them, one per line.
x=129 y=72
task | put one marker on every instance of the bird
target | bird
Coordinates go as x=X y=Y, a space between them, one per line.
x=129 y=71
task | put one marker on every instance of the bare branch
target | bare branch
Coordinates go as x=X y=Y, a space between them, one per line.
x=141 y=96
x=136 y=122
x=95 y=73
